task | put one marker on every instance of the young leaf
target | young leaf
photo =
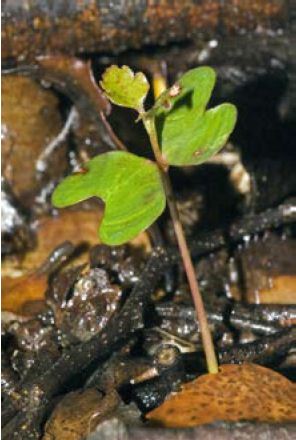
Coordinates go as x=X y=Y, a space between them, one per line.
x=125 y=88
x=130 y=186
x=192 y=91
x=189 y=135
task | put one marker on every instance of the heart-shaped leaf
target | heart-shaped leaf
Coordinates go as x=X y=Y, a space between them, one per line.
x=125 y=88
x=193 y=91
x=130 y=187
x=189 y=135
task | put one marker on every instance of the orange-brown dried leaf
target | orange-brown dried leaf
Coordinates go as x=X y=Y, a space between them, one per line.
x=16 y=292
x=237 y=392
x=269 y=271
x=20 y=284
x=77 y=226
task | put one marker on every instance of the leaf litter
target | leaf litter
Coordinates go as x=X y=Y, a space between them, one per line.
x=238 y=392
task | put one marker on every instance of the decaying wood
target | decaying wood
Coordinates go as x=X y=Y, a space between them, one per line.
x=34 y=395
x=41 y=27
x=262 y=351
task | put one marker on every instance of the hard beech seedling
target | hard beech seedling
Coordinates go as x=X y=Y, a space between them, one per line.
x=134 y=189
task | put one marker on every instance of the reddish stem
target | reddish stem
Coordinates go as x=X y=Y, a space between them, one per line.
x=206 y=336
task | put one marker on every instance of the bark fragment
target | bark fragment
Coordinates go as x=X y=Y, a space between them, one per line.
x=42 y=27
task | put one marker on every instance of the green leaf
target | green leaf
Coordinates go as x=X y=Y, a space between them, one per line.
x=125 y=88
x=130 y=187
x=189 y=135
x=202 y=139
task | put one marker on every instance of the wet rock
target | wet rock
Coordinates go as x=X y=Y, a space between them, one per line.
x=78 y=413
x=15 y=232
x=9 y=377
x=34 y=345
x=93 y=302
x=124 y=262
x=221 y=430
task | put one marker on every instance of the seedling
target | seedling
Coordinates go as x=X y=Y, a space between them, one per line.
x=135 y=190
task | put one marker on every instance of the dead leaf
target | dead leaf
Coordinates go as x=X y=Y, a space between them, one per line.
x=78 y=413
x=20 y=284
x=76 y=226
x=79 y=226
x=269 y=271
x=16 y=292
x=237 y=392
x=282 y=290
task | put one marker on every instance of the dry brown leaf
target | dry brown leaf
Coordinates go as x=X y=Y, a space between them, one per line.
x=16 y=292
x=77 y=226
x=282 y=290
x=269 y=268
x=78 y=413
x=20 y=284
x=237 y=392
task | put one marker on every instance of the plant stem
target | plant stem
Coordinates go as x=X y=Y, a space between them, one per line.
x=206 y=336
x=150 y=128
